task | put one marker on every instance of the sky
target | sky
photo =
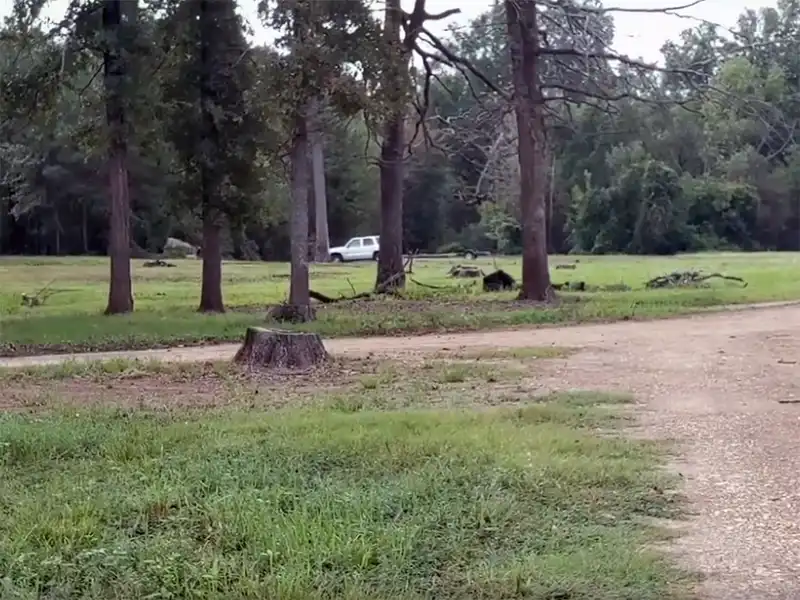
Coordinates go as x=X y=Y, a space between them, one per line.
x=638 y=35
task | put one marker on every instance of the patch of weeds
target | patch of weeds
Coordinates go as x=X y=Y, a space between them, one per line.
x=454 y=373
x=369 y=382
x=387 y=373
x=586 y=410
x=523 y=353
x=115 y=368
x=347 y=403
x=450 y=372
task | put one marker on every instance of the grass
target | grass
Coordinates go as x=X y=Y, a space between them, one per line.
x=166 y=299
x=336 y=500
x=99 y=370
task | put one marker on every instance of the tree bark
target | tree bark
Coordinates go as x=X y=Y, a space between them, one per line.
x=268 y=349
x=390 y=260
x=391 y=273
x=299 y=297
x=321 y=236
x=57 y=225
x=312 y=221
x=115 y=68
x=528 y=106
x=211 y=286
x=84 y=227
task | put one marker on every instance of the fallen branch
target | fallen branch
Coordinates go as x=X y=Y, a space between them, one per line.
x=328 y=300
x=431 y=286
x=157 y=263
x=726 y=277
x=688 y=278
x=39 y=297
x=384 y=289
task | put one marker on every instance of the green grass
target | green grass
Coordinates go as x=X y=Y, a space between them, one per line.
x=115 y=368
x=166 y=299
x=336 y=501
x=522 y=353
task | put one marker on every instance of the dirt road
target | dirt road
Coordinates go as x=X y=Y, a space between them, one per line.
x=711 y=382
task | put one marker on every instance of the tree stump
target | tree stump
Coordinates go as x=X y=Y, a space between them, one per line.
x=275 y=349
x=498 y=281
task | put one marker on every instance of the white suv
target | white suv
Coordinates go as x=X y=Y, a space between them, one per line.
x=360 y=248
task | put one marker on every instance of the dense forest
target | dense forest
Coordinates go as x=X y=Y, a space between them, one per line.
x=519 y=132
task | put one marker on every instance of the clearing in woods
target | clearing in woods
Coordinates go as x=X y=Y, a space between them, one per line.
x=722 y=386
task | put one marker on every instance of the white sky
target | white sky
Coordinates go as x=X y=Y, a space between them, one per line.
x=638 y=35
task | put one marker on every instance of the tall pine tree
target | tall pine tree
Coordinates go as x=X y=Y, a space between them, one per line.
x=214 y=133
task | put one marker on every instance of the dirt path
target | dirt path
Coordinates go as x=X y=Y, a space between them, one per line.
x=713 y=383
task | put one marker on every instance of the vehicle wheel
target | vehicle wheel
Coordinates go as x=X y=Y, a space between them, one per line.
x=337 y=258
x=469 y=255
x=375 y=256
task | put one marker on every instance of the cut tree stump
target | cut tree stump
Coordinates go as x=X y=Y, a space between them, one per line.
x=275 y=349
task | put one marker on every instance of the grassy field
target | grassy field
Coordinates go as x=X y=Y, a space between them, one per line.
x=146 y=480
x=166 y=298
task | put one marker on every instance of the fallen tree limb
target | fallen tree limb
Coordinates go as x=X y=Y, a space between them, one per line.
x=431 y=286
x=328 y=300
x=39 y=297
x=688 y=278
x=726 y=277
x=384 y=289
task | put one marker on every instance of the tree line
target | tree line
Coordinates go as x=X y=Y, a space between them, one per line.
x=521 y=132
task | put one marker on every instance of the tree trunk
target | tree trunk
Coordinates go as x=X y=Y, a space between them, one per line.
x=528 y=106
x=390 y=260
x=321 y=235
x=57 y=224
x=312 y=221
x=211 y=287
x=299 y=298
x=115 y=67
x=84 y=227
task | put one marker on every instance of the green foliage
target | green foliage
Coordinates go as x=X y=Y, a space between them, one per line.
x=211 y=82
x=721 y=213
x=639 y=213
x=321 y=41
x=710 y=162
x=501 y=228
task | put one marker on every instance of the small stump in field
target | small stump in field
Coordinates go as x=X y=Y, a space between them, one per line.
x=274 y=349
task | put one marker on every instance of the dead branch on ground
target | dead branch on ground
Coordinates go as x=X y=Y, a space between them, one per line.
x=40 y=297
x=687 y=279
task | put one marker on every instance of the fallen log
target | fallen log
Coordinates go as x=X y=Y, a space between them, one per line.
x=688 y=278
x=498 y=281
x=157 y=263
